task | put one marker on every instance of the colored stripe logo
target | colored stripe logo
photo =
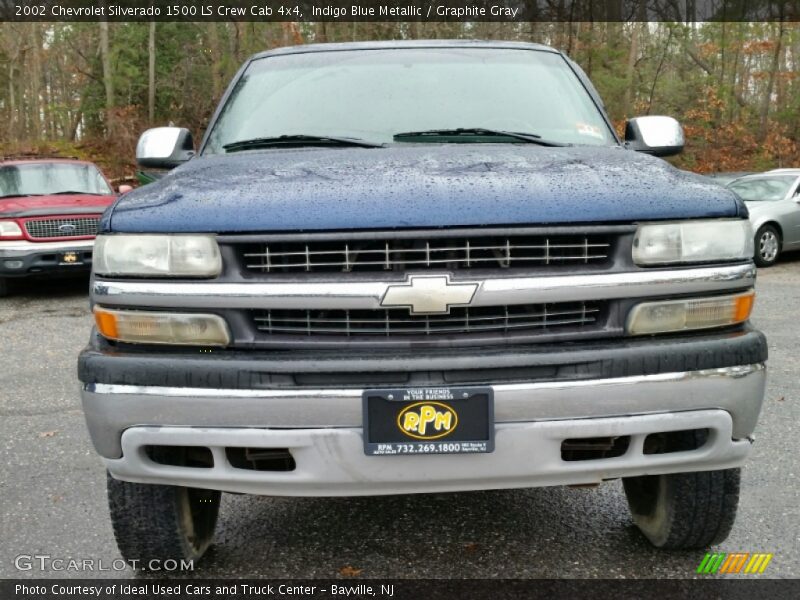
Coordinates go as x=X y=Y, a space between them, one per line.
x=734 y=562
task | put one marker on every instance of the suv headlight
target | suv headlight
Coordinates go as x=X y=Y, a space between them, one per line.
x=693 y=242
x=10 y=229
x=139 y=255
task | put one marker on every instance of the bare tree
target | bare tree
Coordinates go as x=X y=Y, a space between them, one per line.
x=151 y=72
x=108 y=78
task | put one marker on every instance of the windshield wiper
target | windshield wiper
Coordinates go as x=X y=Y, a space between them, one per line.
x=65 y=192
x=20 y=196
x=530 y=138
x=299 y=140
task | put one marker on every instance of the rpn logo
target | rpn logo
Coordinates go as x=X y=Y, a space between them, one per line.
x=734 y=562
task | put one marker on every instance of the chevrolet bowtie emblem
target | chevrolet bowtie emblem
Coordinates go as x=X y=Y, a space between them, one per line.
x=429 y=294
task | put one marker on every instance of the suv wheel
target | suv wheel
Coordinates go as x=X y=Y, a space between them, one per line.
x=161 y=521
x=684 y=510
x=3 y=287
x=768 y=245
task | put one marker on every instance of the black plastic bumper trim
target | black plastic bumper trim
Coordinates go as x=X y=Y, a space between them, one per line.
x=102 y=362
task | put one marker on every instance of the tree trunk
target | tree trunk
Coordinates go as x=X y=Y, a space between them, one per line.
x=151 y=71
x=12 y=102
x=630 y=74
x=763 y=113
x=108 y=79
x=216 y=61
x=36 y=82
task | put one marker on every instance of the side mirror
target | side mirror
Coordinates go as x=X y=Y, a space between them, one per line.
x=164 y=147
x=659 y=136
x=124 y=189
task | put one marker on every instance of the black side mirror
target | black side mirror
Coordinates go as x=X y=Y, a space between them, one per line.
x=164 y=147
x=659 y=136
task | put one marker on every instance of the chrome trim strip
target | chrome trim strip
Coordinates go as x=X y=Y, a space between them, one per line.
x=301 y=394
x=26 y=247
x=359 y=294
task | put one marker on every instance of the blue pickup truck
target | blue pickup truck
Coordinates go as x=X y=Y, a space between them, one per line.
x=411 y=267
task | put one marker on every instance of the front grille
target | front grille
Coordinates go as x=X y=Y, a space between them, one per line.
x=539 y=318
x=62 y=228
x=452 y=253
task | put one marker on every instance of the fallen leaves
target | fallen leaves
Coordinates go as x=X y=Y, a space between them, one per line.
x=348 y=571
x=48 y=434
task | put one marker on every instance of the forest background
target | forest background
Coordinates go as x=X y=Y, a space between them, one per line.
x=89 y=89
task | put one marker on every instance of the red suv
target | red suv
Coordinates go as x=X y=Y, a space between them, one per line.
x=49 y=211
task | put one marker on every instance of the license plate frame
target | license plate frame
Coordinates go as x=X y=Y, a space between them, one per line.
x=70 y=259
x=471 y=422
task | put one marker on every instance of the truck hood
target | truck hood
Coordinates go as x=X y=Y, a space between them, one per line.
x=29 y=206
x=416 y=185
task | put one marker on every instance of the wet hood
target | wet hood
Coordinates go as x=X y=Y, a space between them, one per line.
x=416 y=185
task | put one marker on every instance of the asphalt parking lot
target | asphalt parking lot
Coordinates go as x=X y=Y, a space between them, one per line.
x=52 y=484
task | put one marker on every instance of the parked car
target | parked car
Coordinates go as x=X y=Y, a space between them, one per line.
x=49 y=210
x=408 y=267
x=726 y=178
x=773 y=199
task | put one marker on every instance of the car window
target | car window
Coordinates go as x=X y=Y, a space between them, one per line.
x=763 y=189
x=36 y=179
x=375 y=94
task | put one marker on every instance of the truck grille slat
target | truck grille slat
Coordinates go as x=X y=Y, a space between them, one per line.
x=398 y=254
x=62 y=228
x=398 y=322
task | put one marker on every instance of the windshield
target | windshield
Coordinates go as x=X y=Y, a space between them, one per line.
x=765 y=189
x=374 y=94
x=39 y=179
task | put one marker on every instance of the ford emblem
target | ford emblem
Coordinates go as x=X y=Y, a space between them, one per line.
x=67 y=228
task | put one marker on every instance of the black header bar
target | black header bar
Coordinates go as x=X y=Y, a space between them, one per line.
x=712 y=587
x=400 y=10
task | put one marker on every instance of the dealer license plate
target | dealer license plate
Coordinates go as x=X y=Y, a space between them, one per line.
x=428 y=421
x=69 y=258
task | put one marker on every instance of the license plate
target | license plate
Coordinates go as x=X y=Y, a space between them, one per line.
x=69 y=258
x=428 y=421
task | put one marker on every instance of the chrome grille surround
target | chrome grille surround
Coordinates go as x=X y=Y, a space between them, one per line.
x=395 y=322
x=67 y=227
x=475 y=251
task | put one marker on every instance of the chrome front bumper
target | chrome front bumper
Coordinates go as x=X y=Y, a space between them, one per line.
x=22 y=257
x=25 y=247
x=322 y=430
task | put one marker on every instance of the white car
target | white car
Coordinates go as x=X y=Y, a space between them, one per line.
x=773 y=199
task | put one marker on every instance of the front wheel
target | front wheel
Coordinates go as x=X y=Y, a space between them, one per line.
x=161 y=521
x=684 y=510
x=3 y=287
x=768 y=245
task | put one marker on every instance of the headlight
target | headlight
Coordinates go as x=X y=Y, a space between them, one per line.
x=692 y=313
x=157 y=255
x=188 y=329
x=9 y=229
x=693 y=241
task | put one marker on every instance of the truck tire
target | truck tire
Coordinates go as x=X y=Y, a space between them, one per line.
x=768 y=246
x=684 y=510
x=3 y=287
x=161 y=521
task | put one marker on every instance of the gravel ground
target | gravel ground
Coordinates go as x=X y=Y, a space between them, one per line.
x=53 y=485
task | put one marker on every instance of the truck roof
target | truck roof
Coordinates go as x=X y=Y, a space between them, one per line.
x=398 y=44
